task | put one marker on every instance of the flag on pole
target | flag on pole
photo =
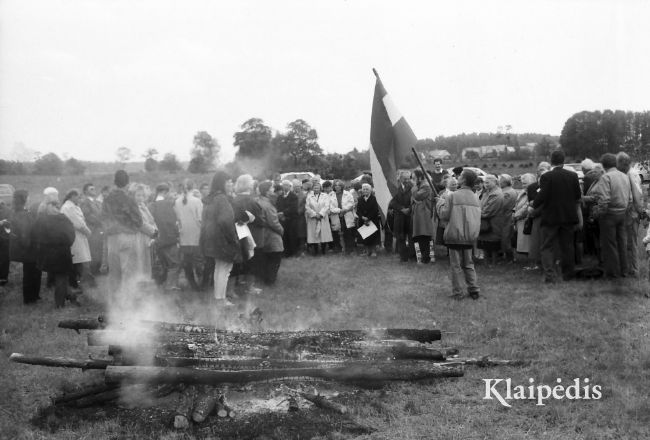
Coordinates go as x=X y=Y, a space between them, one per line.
x=391 y=139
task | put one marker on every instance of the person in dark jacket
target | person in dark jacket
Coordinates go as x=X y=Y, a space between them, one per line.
x=559 y=194
x=248 y=211
x=218 y=239
x=122 y=222
x=400 y=204
x=367 y=213
x=421 y=216
x=22 y=246
x=272 y=248
x=54 y=235
x=166 y=243
x=5 y=231
x=287 y=206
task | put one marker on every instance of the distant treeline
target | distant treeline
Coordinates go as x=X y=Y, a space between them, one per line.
x=457 y=143
x=593 y=133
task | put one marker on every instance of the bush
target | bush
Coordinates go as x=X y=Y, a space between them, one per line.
x=11 y=168
x=74 y=167
x=48 y=165
x=170 y=163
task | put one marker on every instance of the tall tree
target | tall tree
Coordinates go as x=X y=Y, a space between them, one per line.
x=254 y=139
x=301 y=142
x=150 y=161
x=123 y=154
x=170 y=163
x=204 y=153
x=48 y=165
x=74 y=167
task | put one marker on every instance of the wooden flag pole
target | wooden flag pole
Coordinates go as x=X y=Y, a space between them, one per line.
x=426 y=175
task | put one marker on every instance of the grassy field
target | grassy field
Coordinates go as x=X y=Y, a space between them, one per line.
x=595 y=330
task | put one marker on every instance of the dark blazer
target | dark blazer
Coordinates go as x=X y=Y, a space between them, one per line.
x=218 y=234
x=287 y=205
x=54 y=234
x=166 y=221
x=22 y=246
x=401 y=200
x=369 y=209
x=559 y=192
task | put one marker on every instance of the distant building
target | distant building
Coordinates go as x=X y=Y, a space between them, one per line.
x=488 y=151
x=443 y=155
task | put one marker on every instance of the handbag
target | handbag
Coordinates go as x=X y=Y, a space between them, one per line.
x=485 y=225
x=528 y=226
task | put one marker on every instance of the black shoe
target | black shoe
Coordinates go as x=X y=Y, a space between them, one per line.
x=3 y=282
x=474 y=295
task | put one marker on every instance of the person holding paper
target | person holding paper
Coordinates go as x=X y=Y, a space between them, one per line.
x=317 y=210
x=368 y=220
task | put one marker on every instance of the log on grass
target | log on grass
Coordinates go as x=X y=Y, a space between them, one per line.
x=95 y=389
x=484 y=362
x=184 y=408
x=272 y=338
x=205 y=403
x=403 y=352
x=82 y=324
x=324 y=403
x=53 y=361
x=348 y=372
x=96 y=399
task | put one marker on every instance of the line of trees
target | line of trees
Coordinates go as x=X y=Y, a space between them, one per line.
x=593 y=133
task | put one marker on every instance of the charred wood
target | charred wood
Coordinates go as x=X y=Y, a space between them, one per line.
x=52 y=361
x=184 y=408
x=356 y=372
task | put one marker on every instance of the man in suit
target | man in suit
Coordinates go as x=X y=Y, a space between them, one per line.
x=287 y=207
x=559 y=199
x=400 y=205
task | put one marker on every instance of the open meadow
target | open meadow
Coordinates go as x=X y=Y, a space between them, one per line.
x=581 y=329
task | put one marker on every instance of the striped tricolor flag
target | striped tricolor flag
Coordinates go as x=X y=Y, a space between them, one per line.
x=391 y=139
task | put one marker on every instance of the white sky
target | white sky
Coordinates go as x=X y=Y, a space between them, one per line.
x=88 y=76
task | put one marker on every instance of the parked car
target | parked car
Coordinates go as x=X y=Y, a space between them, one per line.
x=479 y=172
x=300 y=175
x=642 y=169
x=577 y=168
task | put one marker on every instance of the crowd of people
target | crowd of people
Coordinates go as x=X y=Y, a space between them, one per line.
x=239 y=232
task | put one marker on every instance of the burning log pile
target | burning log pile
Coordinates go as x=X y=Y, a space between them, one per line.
x=201 y=362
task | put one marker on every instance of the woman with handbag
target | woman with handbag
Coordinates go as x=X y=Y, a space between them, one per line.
x=520 y=216
x=489 y=238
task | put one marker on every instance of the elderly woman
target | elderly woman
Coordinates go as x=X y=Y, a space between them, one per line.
x=367 y=213
x=22 y=247
x=272 y=248
x=335 y=221
x=491 y=219
x=218 y=239
x=301 y=220
x=421 y=216
x=248 y=212
x=80 y=248
x=147 y=232
x=53 y=236
x=317 y=210
x=521 y=214
x=451 y=185
x=535 y=240
x=344 y=203
x=507 y=228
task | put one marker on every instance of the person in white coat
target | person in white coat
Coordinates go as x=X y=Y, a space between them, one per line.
x=189 y=210
x=317 y=211
x=80 y=248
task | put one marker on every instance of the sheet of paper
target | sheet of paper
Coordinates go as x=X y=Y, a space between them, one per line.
x=367 y=231
x=242 y=231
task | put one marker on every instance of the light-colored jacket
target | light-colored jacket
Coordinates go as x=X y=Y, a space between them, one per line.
x=189 y=219
x=614 y=192
x=80 y=248
x=347 y=205
x=318 y=230
x=462 y=212
x=422 y=210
